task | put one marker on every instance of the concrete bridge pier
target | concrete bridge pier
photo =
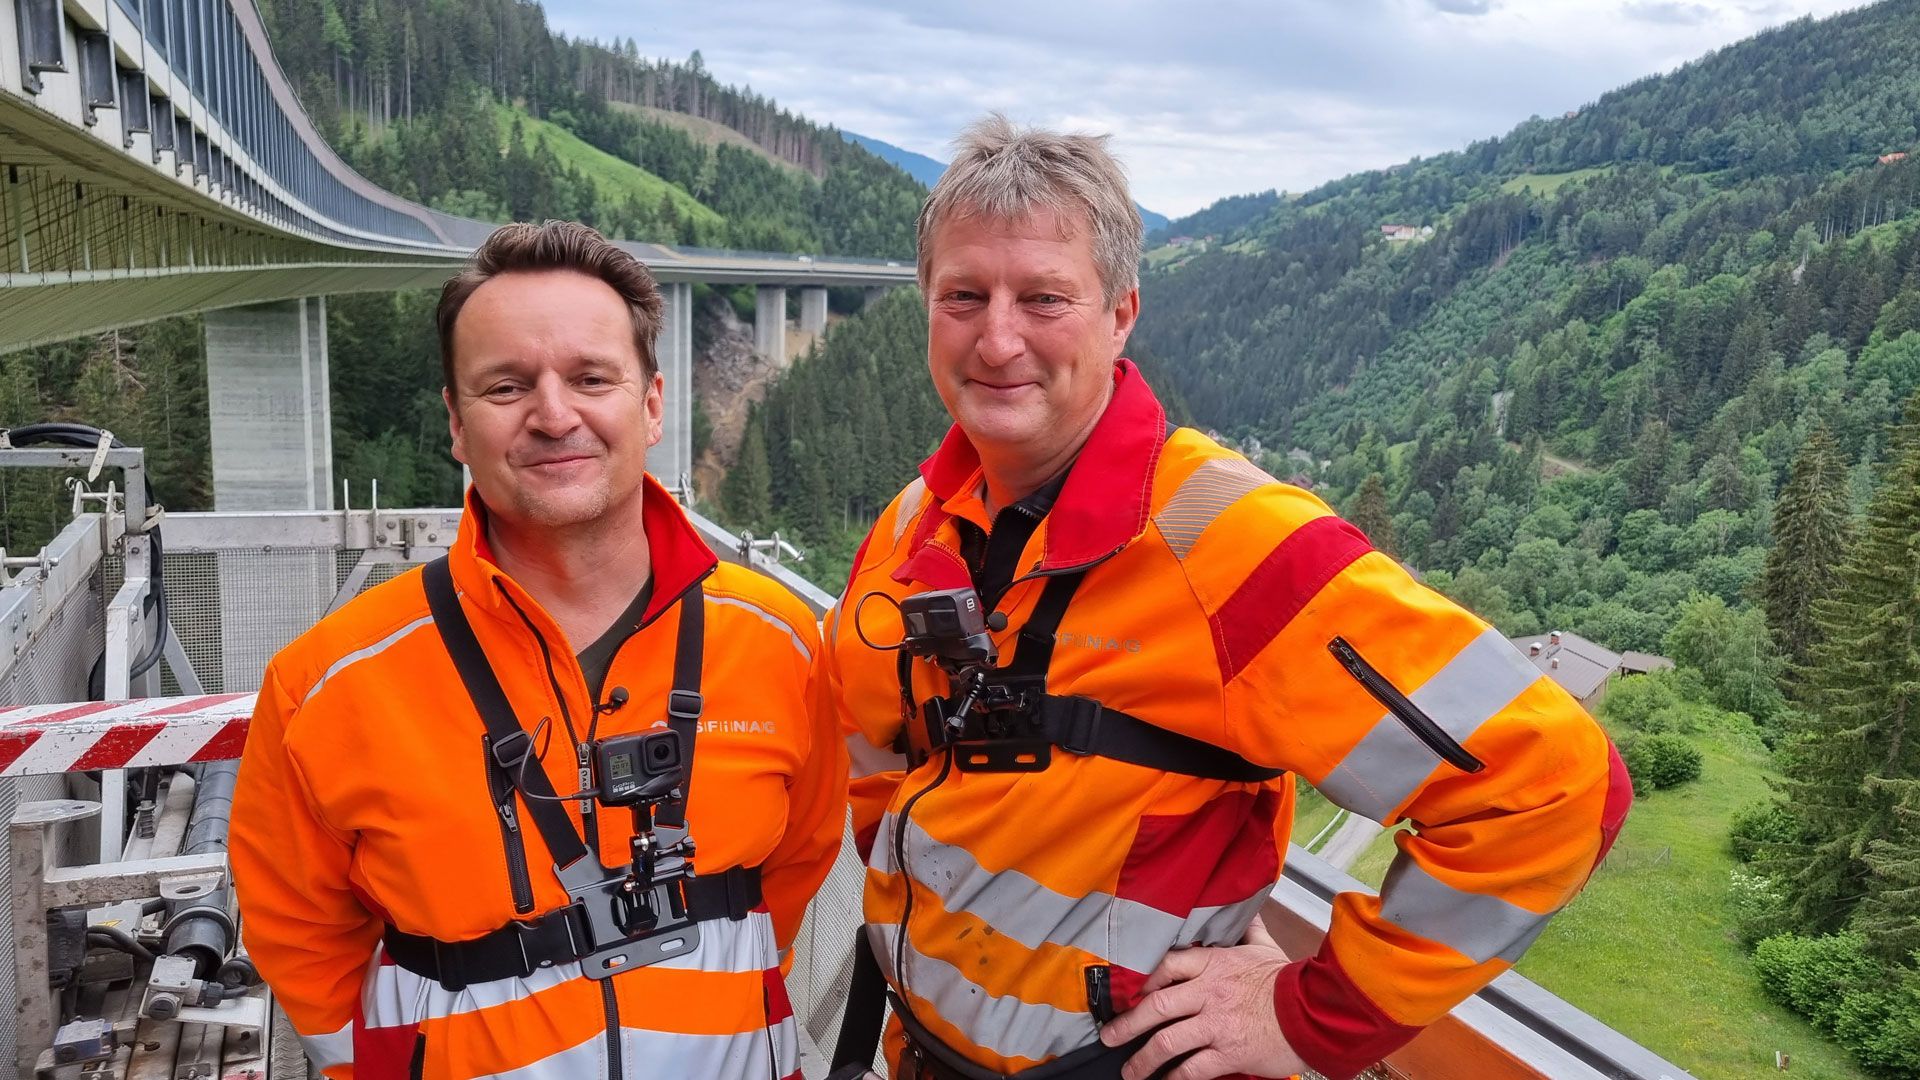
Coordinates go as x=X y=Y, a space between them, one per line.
x=268 y=400
x=272 y=436
x=813 y=315
x=671 y=462
x=770 y=323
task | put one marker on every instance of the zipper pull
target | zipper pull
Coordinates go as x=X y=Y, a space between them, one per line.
x=586 y=782
x=1100 y=992
x=511 y=819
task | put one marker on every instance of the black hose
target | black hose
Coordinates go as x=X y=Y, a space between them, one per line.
x=115 y=938
x=199 y=927
x=86 y=437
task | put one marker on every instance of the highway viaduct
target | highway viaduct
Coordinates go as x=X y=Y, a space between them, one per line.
x=154 y=161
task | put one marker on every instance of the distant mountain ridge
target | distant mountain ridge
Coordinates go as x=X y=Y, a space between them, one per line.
x=927 y=170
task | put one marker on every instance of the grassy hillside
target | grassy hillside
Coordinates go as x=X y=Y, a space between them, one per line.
x=1548 y=183
x=1646 y=948
x=707 y=132
x=613 y=177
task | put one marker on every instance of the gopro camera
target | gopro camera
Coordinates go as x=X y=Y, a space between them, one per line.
x=948 y=627
x=633 y=770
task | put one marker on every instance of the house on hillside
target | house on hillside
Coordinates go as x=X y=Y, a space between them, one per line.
x=1404 y=233
x=1888 y=159
x=1640 y=663
x=1180 y=241
x=1584 y=668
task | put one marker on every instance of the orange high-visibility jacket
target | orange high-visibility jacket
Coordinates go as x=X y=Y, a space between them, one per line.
x=1225 y=606
x=363 y=799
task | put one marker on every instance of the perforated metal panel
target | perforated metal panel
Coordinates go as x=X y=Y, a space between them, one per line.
x=235 y=608
x=823 y=950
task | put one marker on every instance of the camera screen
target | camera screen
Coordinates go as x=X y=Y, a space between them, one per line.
x=619 y=767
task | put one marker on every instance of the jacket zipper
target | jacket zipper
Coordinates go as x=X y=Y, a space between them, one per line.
x=613 y=1028
x=503 y=802
x=1100 y=992
x=1419 y=723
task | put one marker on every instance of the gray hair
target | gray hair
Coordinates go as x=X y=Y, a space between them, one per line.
x=1005 y=172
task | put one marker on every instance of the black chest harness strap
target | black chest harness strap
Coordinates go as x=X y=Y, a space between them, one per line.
x=562 y=936
x=1016 y=728
x=1019 y=723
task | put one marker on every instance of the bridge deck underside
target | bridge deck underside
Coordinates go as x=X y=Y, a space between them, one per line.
x=85 y=246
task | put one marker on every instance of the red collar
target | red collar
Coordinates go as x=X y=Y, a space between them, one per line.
x=1105 y=504
x=680 y=558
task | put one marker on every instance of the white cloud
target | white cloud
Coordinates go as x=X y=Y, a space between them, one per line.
x=1671 y=11
x=1248 y=96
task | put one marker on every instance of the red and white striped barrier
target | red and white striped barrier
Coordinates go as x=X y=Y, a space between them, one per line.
x=41 y=739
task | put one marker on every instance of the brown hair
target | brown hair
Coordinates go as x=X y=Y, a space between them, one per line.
x=554 y=245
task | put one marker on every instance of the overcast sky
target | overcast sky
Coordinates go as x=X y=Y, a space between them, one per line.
x=1204 y=99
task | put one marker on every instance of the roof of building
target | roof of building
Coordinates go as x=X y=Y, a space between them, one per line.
x=1642 y=662
x=1582 y=666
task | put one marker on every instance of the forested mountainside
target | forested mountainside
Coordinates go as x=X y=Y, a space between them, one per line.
x=1657 y=301
x=422 y=97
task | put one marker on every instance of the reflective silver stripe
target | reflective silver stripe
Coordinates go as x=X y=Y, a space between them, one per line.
x=1203 y=496
x=670 y=1053
x=865 y=759
x=744 y=1054
x=392 y=996
x=1389 y=763
x=1006 y=1025
x=910 y=500
x=1475 y=925
x=358 y=655
x=1119 y=931
x=881 y=857
x=333 y=1048
x=766 y=616
x=587 y=1059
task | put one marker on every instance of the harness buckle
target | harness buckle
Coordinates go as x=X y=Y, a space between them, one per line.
x=510 y=751
x=556 y=933
x=1080 y=732
x=685 y=704
x=450 y=971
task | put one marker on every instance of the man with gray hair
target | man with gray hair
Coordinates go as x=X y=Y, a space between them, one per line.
x=1077 y=658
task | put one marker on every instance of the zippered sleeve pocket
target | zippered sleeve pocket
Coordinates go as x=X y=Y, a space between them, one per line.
x=1422 y=726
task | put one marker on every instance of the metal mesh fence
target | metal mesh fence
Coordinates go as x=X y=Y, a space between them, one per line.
x=823 y=951
x=234 y=609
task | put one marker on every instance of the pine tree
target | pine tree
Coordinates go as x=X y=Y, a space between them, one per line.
x=1368 y=512
x=1855 y=753
x=1647 y=468
x=747 y=493
x=1810 y=529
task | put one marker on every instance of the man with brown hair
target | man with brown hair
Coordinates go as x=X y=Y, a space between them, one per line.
x=463 y=832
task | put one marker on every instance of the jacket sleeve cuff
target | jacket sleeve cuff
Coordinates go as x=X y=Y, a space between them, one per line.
x=1334 y=1027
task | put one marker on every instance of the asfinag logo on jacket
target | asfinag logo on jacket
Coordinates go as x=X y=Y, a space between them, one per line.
x=1096 y=641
